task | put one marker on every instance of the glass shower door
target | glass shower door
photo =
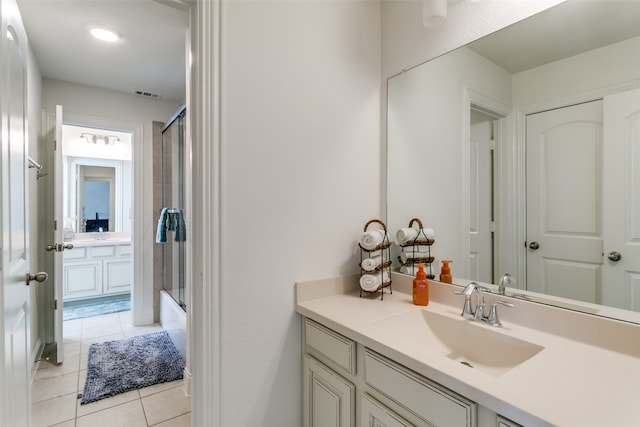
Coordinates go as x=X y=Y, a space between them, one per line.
x=173 y=257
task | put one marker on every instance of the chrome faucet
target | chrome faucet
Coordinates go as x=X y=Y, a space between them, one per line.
x=506 y=280
x=467 y=310
x=100 y=235
x=480 y=312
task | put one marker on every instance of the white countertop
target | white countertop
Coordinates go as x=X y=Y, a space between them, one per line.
x=89 y=239
x=588 y=373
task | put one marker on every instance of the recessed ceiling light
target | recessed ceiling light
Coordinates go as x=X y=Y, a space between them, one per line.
x=105 y=34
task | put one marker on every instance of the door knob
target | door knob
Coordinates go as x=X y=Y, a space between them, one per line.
x=614 y=256
x=534 y=245
x=38 y=277
x=58 y=247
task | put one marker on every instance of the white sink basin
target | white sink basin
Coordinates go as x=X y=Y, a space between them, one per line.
x=471 y=343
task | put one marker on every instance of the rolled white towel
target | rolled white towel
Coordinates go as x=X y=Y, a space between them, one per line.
x=371 y=282
x=370 y=264
x=411 y=270
x=372 y=238
x=405 y=234
x=431 y=235
x=409 y=255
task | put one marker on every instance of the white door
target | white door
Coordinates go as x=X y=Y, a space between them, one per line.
x=564 y=230
x=14 y=354
x=481 y=201
x=621 y=198
x=58 y=239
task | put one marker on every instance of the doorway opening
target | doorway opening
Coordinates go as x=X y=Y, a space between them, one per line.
x=484 y=137
x=97 y=183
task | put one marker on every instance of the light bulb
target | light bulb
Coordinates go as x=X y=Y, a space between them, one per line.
x=105 y=34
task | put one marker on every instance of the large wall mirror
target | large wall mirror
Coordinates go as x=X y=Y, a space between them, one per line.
x=522 y=151
x=97 y=180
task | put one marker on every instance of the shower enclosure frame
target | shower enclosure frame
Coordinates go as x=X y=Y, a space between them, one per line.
x=173 y=196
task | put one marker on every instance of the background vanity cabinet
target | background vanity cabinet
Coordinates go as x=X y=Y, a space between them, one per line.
x=346 y=384
x=91 y=271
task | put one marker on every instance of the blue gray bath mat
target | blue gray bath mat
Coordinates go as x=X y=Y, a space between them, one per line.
x=119 y=366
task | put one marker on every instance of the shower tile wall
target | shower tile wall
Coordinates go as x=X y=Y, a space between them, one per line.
x=157 y=208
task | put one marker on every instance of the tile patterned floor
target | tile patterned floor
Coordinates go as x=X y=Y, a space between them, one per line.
x=55 y=389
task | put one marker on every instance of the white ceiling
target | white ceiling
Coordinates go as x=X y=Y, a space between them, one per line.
x=150 y=57
x=567 y=29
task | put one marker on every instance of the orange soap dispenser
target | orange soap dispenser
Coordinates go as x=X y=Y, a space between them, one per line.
x=445 y=271
x=420 y=287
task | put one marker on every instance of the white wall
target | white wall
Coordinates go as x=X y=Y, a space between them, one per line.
x=119 y=107
x=580 y=74
x=301 y=172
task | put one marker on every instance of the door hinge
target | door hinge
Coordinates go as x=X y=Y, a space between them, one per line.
x=493 y=227
x=493 y=144
x=55 y=304
x=55 y=225
x=55 y=145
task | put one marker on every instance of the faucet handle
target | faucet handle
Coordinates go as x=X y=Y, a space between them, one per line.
x=480 y=311
x=493 y=318
x=467 y=309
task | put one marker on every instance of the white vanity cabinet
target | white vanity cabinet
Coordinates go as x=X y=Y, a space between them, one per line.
x=348 y=384
x=96 y=269
x=328 y=396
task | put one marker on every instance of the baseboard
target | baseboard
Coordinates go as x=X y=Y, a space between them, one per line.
x=186 y=385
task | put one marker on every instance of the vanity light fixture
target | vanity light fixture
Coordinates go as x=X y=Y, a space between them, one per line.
x=105 y=34
x=103 y=139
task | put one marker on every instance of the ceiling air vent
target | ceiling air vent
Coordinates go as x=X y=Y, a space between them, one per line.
x=147 y=94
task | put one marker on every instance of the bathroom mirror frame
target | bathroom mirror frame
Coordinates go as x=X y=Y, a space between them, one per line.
x=71 y=174
x=515 y=222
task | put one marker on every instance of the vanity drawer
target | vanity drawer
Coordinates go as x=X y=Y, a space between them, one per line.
x=124 y=250
x=74 y=253
x=103 y=250
x=327 y=345
x=427 y=400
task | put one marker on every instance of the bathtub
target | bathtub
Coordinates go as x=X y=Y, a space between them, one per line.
x=174 y=320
